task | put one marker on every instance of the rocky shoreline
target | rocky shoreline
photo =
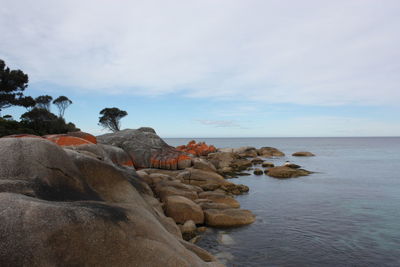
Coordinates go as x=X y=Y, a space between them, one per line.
x=125 y=198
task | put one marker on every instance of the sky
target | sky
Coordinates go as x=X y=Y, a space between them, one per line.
x=226 y=68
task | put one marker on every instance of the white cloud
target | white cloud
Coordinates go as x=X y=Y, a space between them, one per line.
x=220 y=123
x=303 y=52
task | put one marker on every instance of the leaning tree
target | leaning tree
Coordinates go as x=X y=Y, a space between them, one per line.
x=110 y=118
x=62 y=103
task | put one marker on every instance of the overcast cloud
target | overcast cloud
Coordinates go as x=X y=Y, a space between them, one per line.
x=302 y=52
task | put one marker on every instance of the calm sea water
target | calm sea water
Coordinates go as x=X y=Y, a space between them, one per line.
x=347 y=214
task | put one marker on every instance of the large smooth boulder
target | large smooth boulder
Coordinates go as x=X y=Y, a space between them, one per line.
x=147 y=149
x=270 y=152
x=199 y=177
x=228 y=217
x=40 y=168
x=286 y=172
x=182 y=209
x=108 y=153
x=303 y=154
x=202 y=164
x=220 y=198
x=44 y=233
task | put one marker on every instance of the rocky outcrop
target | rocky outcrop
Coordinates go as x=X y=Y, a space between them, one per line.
x=303 y=154
x=286 y=172
x=270 y=152
x=147 y=149
x=68 y=208
x=197 y=149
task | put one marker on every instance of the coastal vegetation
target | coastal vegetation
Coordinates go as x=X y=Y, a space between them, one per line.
x=38 y=119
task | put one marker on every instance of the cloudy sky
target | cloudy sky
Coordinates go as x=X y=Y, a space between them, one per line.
x=214 y=68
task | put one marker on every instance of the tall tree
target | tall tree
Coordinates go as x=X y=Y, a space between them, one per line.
x=43 y=102
x=12 y=85
x=62 y=103
x=111 y=117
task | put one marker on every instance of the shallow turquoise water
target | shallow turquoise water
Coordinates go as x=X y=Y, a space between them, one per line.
x=347 y=214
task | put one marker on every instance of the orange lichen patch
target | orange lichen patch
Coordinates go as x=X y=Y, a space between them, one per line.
x=168 y=161
x=197 y=149
x=83 y=135
x=22 y=136
x=66 y=140
x=128 y=163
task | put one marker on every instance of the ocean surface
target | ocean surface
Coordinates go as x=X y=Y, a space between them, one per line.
x=346 y=214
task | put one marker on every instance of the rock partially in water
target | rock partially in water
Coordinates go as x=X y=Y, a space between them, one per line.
x=258 y=172
x=270 y=152
x=303 y=154
x=286 y=172
x=257 y=161
x=268 y=165
x=228 y=217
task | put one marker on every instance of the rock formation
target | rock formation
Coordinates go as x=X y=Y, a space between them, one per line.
x=147 y=149
x=72 y=207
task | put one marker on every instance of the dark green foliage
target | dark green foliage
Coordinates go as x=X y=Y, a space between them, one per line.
x=62 y=103
x=12 y=85
x=37 y=122
x=110 y=118
x=43 y=102
x=28 y=102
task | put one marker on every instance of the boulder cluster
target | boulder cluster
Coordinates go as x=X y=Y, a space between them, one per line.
x=197 y=149
x=75 y=199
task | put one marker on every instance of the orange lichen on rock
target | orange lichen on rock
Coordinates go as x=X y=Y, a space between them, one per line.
x=197 y=149
x=83 y=135
x=128 y=163
x=66 y=140
x=170 y=161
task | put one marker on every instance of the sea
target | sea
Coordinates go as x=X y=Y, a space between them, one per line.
x=347 y=213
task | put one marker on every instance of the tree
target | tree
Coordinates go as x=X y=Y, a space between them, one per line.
x=12 y=85
x=62 y=103
x=110 y=118
x=43 y=102
x=28 y=102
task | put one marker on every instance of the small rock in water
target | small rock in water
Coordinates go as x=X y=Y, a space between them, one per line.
x=268 y=165
x=258 y=172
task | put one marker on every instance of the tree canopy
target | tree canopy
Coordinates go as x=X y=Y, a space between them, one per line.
x=43 y=102
x=12 y=85
x=62 y=103
x=111 y=117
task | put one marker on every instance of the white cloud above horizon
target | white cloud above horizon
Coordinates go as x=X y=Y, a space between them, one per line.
x=300 y=52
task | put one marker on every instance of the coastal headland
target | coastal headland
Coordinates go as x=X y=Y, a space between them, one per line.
x=120 y=199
